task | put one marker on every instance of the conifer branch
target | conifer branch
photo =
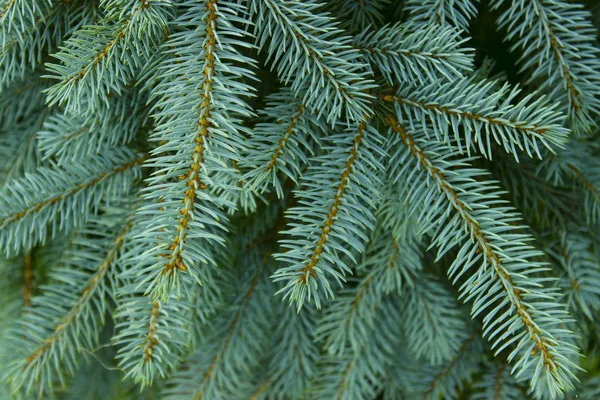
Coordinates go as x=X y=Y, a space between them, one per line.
x=536 y=311
x=64 y=137
x=152 y=341
x=28 y=279
x=457 y=13
x=337 y=82
x=152 y=336
x=194 y=181
x=577 y=167
x=100 y=59
x=405 y=54
x=485 y=114
x=235 y=341
x=309 y=269
x=573 y=255
x=281 y=145
x=559 y=51
x=295 y=353
x=199 y=133
x=445 y=381
x=333 y=197
x=346 y=321
x=21 y=100
x=284 y=138
x=547 y=204
x=433 y=324
x=359 y=14
x=84 y=299
x=52 y=192
x=371 y=115
x=233 y=327
x=260 y=390
x=65 y=320
x=31 y=27
x=356 y=372
x=497 y=383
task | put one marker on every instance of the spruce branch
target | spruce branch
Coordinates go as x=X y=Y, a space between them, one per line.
x=294 y=358
x=485 y=114
x=577 y=166
x=546 y=204
x=101 y=59
x=433 y=323
x=558 y=52
x=324 y=70
x=356 y=373
x=573 y=254
x=29 y=28
x=64 y=137
x=21 y=100
x=51 y=199
x=497 y=383
x=152 y=336
x=457 y=13
x=308 y=149
x=446 y=380
x=235 y=341
x=282 y=145
x=408 y=54
x=18 y=149
x=347 y=320
x=200 y=137
x=473 y=215
x=359 y=15
x=65 y=320
x=331 y=206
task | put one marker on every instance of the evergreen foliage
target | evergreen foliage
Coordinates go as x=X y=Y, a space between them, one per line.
x=284 y=199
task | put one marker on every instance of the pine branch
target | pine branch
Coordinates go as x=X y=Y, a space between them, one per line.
x=525 y=313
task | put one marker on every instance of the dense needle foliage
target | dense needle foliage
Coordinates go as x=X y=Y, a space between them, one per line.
x=299 y=199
